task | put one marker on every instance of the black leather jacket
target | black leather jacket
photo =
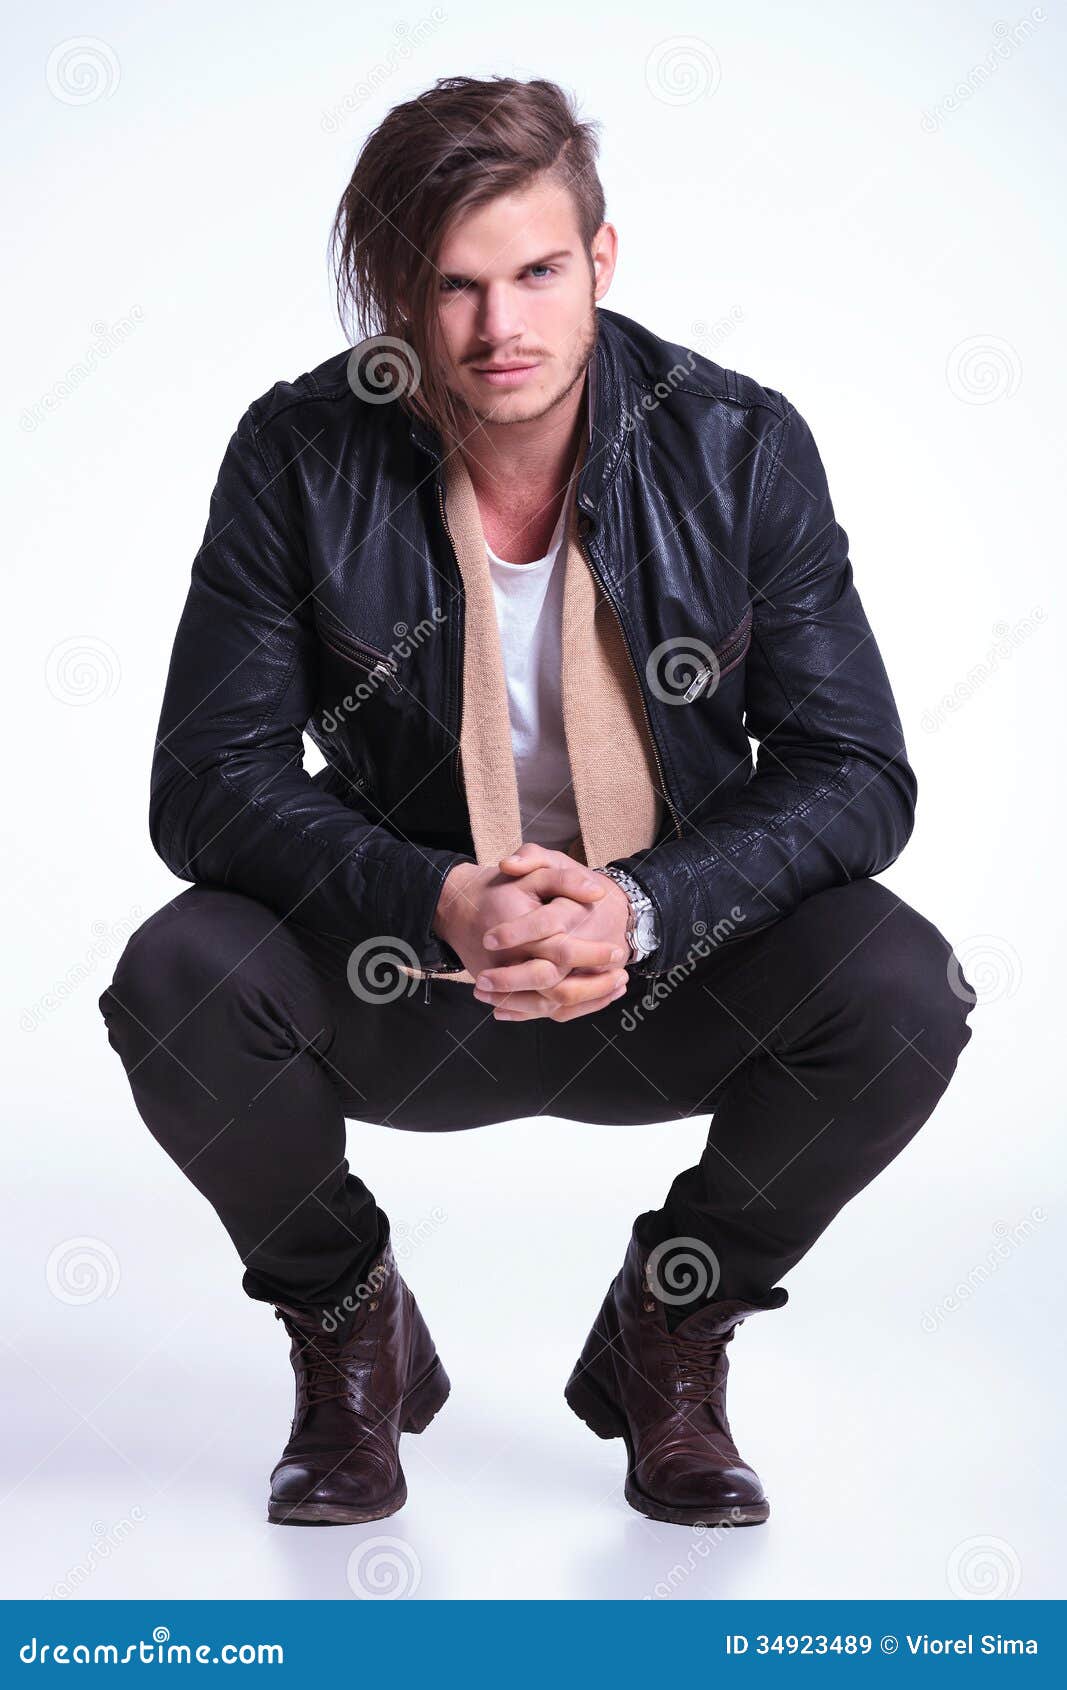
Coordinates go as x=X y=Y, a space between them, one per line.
x=326 y=599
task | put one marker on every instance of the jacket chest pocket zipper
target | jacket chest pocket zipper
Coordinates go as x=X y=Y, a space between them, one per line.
x=364 y=656
x=727 y=656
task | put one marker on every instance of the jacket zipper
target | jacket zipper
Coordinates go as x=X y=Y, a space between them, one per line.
x=640 y=692
x=725 y=659
x=455 y=760
x=462 y=631
x=364 y=656
x=641 y=695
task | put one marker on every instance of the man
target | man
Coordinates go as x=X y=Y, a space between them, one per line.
x=532 y=578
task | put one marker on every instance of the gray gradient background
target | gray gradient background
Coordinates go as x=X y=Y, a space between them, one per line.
x=836 y=200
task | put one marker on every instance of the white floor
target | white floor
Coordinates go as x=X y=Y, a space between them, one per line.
x=908 y=1450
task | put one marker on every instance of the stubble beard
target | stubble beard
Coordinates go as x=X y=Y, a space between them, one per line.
x=577 y=367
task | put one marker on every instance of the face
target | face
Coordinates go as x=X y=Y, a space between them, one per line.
x=517 y=303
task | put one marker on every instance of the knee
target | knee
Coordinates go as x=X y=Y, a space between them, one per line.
x=905 y=980
x=144 y=970
x=170 y=962
x=209 y=960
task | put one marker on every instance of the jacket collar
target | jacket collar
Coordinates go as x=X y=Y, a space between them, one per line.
x=607 y=428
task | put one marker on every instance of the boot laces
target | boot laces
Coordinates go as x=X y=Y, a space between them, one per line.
x=324 y=1357
x=698 y=1365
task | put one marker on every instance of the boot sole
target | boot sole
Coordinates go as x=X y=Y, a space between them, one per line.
x=595 y=1409
x=421 y=1403
x=336 y=1513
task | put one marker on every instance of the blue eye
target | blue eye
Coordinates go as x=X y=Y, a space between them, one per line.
x=452 y=284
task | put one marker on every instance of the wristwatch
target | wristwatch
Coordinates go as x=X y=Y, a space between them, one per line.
x=643 y=929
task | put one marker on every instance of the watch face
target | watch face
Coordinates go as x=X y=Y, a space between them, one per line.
x=646 y=930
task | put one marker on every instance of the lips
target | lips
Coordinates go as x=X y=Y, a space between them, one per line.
x=505 y=377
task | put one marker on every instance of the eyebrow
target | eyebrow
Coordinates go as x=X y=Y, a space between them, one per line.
x=531 y=263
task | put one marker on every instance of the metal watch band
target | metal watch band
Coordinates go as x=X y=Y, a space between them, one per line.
x=642 y=931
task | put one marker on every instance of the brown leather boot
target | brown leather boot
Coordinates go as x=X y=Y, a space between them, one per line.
x=665 y=1394
x=356 y=1390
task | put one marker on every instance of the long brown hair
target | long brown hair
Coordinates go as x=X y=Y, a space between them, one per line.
x=430 y=160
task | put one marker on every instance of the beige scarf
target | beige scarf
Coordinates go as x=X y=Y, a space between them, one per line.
x=613 y=766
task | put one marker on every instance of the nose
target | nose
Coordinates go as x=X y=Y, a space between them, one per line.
x=499 y=319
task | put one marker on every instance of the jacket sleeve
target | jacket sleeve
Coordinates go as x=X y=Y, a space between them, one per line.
x=832 y=795
x=231 y=804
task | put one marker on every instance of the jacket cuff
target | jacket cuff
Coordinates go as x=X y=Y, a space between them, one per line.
x=679 y=902
x=406 y=899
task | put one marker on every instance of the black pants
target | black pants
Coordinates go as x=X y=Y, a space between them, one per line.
x=820 y=1045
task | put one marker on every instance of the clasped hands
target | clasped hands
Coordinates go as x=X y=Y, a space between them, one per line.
x=542 y=935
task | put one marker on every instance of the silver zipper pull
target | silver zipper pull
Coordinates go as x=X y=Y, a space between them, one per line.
x=696 y=686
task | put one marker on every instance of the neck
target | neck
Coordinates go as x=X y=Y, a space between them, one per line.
x=526 y=466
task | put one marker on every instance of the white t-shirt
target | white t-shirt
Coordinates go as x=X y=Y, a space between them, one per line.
x=529 y=609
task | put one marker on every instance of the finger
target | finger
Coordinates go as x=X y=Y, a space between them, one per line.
x=556 y=915
x=528 y=855
x=575 y=987
x=503 y=996
x=557 y=957
x=572 y=1012
x=546 y=1010
x=566 y=879
x=556 y=872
